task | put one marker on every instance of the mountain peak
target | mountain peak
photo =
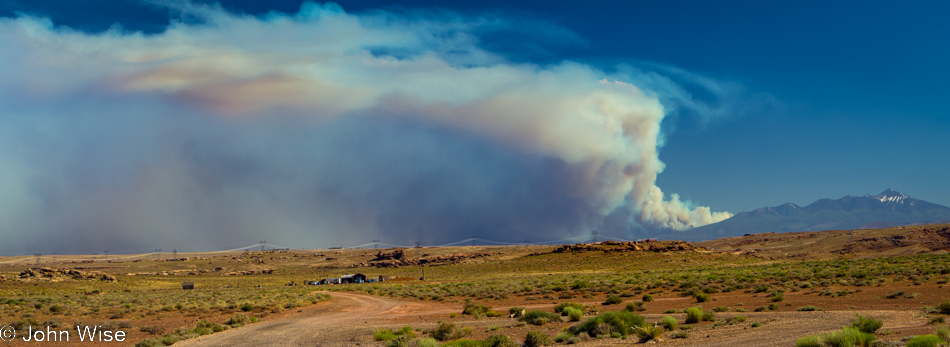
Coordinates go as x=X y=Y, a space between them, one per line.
x=890 y=193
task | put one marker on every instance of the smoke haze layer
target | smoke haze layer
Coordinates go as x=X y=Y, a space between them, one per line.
x=314 y=129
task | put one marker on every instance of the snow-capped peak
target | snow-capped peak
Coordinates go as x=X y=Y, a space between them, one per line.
x=891 y=197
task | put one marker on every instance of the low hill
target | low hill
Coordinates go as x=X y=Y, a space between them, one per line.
x=910 y=240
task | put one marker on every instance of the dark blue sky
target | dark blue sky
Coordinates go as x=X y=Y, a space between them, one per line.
x=857 y=89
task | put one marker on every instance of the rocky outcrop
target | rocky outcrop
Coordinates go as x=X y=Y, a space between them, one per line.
x=442 y=259
x=56 y=275
x=629 y=246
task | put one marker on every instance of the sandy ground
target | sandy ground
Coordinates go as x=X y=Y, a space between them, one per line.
x=350 y=320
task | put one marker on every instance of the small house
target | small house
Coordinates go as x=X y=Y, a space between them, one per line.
x=187 y=285
x=355 y=278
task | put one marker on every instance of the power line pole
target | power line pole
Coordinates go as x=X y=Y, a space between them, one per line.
x=106 y=254
x=262 y=245
x=38 y=255
x=375 y=244
x=158 y=254
x=175 y=253
x=594 y=234
x=473 y=241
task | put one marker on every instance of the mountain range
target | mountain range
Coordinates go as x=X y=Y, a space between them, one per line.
x=888 y=209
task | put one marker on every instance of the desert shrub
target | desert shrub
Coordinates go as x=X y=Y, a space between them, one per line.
x=427 y=342
x=647 y=298
x=560 y=307
x=709 y=316
x=498 y=341
x=237 y=320
x=613 y=299
x=399 y=341
x=448 y=331
x=648 y=333
x=925 y=341
x=721 y=309
x=562 y=337
x=573 y=314
x=538 y=317
x=894 y=295
x=536 y=338
x=682 y=334
x=170 y=340
x=619 y=321
x=850 y=337
x=944 y=333
x=246 y=307
x=944 y=307
x=777 y=296
x=866 y=324
x=756 y=324
x=810 y=341
x=809 y=308
x=384 y=335
x=669 y=323
x=701 y=297
x=152 y=329
x=475 y=309
x=694 y=314
x=936 y=320
x=636 y=306
x=150 y=342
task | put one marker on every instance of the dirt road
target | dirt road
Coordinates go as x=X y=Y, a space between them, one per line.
x=347 y=320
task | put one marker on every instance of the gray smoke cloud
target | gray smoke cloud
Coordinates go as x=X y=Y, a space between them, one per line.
x=314 y=129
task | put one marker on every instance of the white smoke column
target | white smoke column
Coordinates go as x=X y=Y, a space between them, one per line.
x=323 y=65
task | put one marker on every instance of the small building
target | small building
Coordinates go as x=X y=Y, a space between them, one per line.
x=355 y=278
x=331 y=280
x=187 y=285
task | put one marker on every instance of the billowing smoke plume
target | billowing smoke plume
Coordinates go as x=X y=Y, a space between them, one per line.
x=312 y=130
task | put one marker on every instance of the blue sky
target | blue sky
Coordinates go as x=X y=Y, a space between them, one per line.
x=767 y=102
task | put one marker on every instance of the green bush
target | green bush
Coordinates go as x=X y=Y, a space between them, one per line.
x=536 y=338
x=701 y=297
x=636 y=306
x=475 y=309
x=237 y=320
x=709 y=316
x=246 y=307
x=694 y=314
x=944 y=307
x=150 y=342
x=649 y=332
x=669 y=323
x=427 y=342
x=573 y=314
x=562 y=337
x=448 y=331
x=847 y=337
x=560 y=307
x=866 y=324
x=647 y=298
x=944 y=333
x=401 y=341
x=498 y=341
x=538 y=317
x=721 y=309
x=810 y=341
x=607 y=322
x=925 y=341
x=613 y=299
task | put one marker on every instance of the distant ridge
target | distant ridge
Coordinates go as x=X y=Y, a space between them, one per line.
x=888 y=209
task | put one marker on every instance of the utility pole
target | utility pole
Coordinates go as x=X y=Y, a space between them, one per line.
x=38 y=255
x=158 y=253
x=473 y=241
x=106 y=254
x=262 y=245
x=375 y=244
x=594 y=234
x=175 y=253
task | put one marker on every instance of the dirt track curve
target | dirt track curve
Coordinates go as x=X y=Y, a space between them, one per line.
x=347 y=320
